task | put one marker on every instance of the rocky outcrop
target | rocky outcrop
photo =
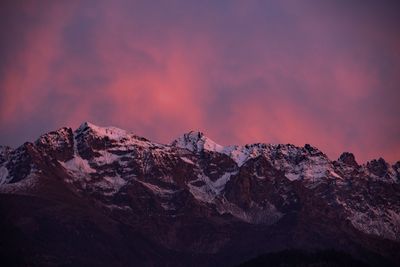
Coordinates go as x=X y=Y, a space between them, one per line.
x=193 y=197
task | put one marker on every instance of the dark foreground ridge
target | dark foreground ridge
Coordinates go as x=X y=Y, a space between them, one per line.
x=100 y=196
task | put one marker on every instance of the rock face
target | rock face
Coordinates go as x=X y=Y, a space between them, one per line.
x=101 y=196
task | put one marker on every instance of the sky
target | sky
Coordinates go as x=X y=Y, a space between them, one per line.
x=325 y=73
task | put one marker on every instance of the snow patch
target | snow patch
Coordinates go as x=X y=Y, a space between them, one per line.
x=334 y=174
x=3 y=175
x=78 y=166
x=241 y=154
x=168 y=206
x=25 y=186
x=219 y=184
x=111 y=132
x=255 y=214
x=111 y=185
x=210 y=189
x=202 y=193
x=312 y=169
x=117 y=207
x=157 y=190
x=196 y=142
x=105 y=158
x=187 y=160
x=292 y=176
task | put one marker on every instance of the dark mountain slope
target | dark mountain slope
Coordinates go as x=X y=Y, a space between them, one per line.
x=101 y=196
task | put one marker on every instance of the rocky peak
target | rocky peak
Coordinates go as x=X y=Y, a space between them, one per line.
x=378 y=167
x=161 y=187
x=397 y=165
x=313 y=151
x=58 y=144
x=54 y=138
x=396 y=168
x=111 y=132
x=310 y=148
x=348 y=159
x=196 y=142
x=4 y=149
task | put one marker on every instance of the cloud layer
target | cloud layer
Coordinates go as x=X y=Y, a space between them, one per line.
x=241 y=71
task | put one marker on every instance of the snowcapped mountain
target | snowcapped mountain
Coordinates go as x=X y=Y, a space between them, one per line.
x=190 y=199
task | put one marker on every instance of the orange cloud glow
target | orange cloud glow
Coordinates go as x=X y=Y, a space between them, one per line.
x=242 y=72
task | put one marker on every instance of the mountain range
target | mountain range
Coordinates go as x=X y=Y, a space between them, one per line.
x=101 y=196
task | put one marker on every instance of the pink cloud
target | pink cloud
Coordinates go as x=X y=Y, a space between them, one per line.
x=240 y=83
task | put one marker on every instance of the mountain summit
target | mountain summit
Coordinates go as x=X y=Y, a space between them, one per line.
x=100 y=196
x=196 y=142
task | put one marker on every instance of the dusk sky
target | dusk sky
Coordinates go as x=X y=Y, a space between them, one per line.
x=320 y=72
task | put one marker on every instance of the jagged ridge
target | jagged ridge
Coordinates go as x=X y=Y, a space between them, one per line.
x=257 y=184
